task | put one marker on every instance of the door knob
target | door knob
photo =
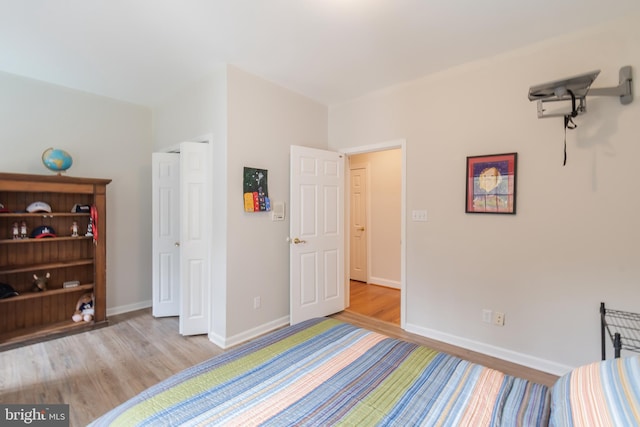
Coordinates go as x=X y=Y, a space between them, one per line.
x=360 y=228
x=176 y=244
x=298 y=241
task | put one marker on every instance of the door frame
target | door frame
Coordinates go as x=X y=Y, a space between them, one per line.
x=383 y=146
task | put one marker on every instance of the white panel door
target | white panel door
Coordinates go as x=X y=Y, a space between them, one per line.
x=166 y=234
x=316 y=233
x=357 y=225
x=195 y=206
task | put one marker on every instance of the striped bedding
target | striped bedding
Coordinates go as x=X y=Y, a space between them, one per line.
x=324 y=372
x=604 y=393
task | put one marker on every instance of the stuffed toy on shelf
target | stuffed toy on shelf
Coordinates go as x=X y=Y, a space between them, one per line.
x=84 y=308
x=40 y=282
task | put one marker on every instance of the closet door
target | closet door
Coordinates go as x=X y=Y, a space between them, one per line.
x=195 y=240
x=166 y=234
x=181 y=236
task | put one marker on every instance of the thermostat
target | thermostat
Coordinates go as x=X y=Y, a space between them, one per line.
x=277 y=213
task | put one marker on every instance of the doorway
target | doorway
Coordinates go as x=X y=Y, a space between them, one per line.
x=375 y=231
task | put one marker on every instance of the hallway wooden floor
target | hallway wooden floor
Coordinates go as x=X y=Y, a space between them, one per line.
x=375 y=301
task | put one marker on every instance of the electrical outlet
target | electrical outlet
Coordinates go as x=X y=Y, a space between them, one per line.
x=256 y=302
x=487 y=315
x=498 y=318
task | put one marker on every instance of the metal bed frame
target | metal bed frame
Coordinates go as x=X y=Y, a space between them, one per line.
x=623 y=328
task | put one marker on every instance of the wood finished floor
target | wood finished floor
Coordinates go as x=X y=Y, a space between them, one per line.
x=97 y=370
x=371 y=300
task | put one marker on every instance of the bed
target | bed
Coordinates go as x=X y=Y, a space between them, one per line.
x=326 y=372
x=605 y=393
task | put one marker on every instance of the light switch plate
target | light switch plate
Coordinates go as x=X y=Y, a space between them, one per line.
x=418 y=215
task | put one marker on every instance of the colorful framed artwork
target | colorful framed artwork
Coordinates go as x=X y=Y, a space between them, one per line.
x=491 y=184
x=255 y=190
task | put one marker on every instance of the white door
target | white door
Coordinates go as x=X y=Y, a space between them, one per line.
x=166 y=234
x=195 y=206
x=357 y=226
x=316 y=233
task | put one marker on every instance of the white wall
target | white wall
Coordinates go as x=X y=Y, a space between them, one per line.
x=573 y=241
x=264 y=121
x=107 y=139
x=384 y=215
x=196 y=110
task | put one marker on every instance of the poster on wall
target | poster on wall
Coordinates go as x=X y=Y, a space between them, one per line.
x=491 y=184
x=256 y=192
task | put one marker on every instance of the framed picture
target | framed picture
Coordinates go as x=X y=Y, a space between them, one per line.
x=491 y=184
x=255 y=190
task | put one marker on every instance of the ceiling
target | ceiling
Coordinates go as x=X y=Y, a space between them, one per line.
x=142 y=51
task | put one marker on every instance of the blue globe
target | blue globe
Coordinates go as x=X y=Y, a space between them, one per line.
x=56 y=160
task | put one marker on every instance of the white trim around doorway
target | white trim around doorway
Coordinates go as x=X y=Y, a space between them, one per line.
x=387 y=145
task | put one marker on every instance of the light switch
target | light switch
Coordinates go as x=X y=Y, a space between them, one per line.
x=419 y=215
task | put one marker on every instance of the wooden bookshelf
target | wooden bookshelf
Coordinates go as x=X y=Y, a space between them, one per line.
x=36 y=316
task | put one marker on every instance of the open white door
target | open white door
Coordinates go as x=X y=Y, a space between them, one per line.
x=195 y=207
x=166 y=234
x=316 y=233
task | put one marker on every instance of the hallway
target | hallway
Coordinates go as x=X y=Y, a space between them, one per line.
x=379 y=302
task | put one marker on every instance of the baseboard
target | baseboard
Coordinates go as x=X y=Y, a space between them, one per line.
x=490 y=350
x=127 y=308
x=384 y=282
x=225 y=343
x=216 y=339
